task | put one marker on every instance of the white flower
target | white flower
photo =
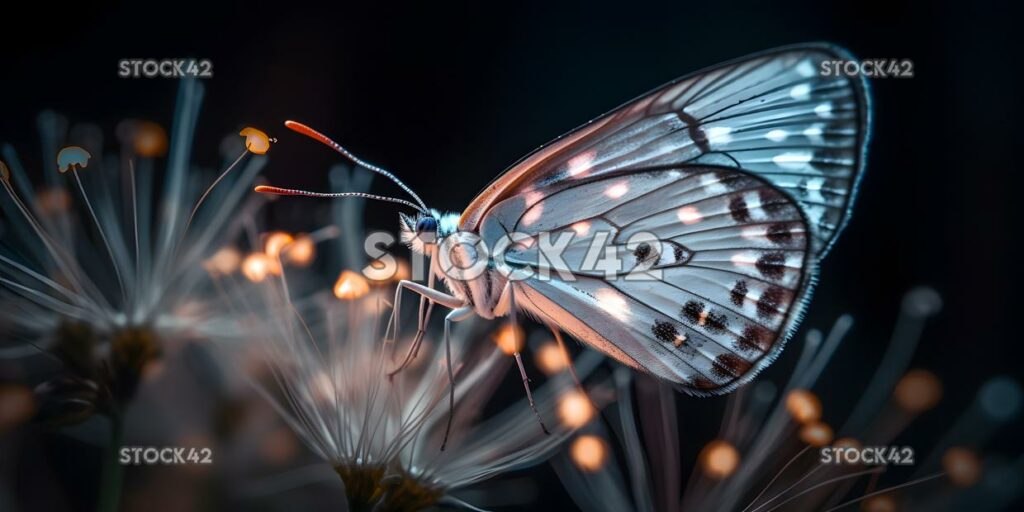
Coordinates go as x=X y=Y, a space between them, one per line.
x=767 y=454
x=103 y=263
x=327 y=367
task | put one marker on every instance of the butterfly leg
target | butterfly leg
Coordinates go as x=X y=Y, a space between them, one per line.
x=423 y=317
x=426 y=307
x=456 y=315
x=430 y=294
x=519 y=357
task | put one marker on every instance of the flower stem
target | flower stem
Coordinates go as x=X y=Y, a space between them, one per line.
x=110 y=484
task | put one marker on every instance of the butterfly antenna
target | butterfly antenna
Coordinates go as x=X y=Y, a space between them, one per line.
x=266 y=189
x=315 y=135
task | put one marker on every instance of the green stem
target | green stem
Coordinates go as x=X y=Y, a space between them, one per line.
x=113 y=471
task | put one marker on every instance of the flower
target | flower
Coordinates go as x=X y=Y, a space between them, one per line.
x=768 y=453
x=329 y=378
x=97 y=272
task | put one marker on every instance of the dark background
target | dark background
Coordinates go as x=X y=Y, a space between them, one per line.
x=448 y=96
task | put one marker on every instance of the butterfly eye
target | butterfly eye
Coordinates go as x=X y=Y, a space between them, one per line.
x=426 y=225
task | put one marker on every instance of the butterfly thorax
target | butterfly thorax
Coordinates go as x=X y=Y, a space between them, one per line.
x=458 y=259
x=469 y=273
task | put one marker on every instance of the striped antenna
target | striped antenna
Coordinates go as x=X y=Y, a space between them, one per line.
x=315 y=135
x=265 y=189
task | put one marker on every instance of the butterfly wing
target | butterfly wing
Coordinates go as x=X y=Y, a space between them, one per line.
x=772 y=114
x=743 y=173
x=706 y=269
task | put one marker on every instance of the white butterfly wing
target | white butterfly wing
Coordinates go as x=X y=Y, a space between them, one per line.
x=704 y=300
x=773 y=114
x=745 y=173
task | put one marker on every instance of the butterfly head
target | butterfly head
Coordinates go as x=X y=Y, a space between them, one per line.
x=424 y=230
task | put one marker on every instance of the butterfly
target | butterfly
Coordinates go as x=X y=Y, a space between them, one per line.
x=741 y=176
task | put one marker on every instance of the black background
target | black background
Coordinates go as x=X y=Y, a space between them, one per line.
x=448 y=96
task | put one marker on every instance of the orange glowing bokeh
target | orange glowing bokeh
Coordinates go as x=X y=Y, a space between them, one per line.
x=803 y=406
x=575 y=409
x=816 y=434
x=962 y=466
x=551 y=359
x=149 y=139
x=918 y=391
x=719 y=459
x=509 y=339
x=274 y=241
x=225 y=261
x=301 y=251
x=350 y=286
x=257 y=266
x=589 y=452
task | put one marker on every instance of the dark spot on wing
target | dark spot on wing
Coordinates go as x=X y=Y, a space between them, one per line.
x=734 y=180
x=772 y=265
x=827 y=159
x=780 y=234
x=738 y=293
x=679 y=252
x=692 y=310
x=833 y=188
x=835 y=130
x=665 y=331
x=730 y=365
x=642 y=251
x=738 y=209
x=769 y=302
x=801 y=188
x=695 y=131
x=702 y=383
x=716 y=322
x=772 y=201
x=754 y=338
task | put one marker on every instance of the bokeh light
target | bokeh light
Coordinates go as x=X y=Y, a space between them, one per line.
x=509 y=338
x=962 y=466
x=257 y=266
x=551 y=359
x=816 y=434
x=301 y=251
x=589 y=452
x=918 y=391
x=350 y=286
x=575 y=409
x=803 y=405
x=719 y=459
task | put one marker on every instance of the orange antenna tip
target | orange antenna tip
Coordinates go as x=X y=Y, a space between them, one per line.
x=304 y=129
x=266 y=189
